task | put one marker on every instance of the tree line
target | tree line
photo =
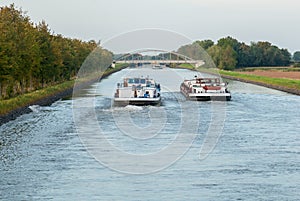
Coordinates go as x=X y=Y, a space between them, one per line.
x=31 y=57
x=296 y=58
x=229 y=54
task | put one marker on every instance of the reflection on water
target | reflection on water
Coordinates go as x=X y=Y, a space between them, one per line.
x=256 y=158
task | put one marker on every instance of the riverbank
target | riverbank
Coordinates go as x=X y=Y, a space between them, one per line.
x=283 y=84
x=12 y=108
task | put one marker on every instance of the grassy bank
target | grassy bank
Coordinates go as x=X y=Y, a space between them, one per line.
x=279 y=82
x=186 y=66
x=279 y=68
x=24 y=100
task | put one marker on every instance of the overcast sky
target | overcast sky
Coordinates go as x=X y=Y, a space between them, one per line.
x=276 y=21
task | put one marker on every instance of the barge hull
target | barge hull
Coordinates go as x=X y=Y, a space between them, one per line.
x=208 y=97
x=137 y=102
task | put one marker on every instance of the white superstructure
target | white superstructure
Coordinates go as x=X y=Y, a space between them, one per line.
x=137 y=91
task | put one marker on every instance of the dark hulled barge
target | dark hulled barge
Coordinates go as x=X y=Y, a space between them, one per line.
x=205 y=89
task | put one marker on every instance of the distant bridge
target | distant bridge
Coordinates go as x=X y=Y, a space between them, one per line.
x=165 y=57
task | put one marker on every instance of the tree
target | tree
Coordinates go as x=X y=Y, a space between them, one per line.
x=285 y=58
x=17 y=37
x=244 y=56
x=229 y=41
x=266 y=54
x=296 y=56
x=31 y=57
x=229 y=53
x=205 y=44
x=224 y=57
x=215 y=53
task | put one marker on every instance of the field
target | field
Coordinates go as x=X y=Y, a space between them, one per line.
x=288 y=73
x=276 y=79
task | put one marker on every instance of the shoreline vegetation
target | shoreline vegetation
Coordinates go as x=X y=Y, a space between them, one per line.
x=282 y=84
x=33 y=57
x=38 y=67
x=12 y=108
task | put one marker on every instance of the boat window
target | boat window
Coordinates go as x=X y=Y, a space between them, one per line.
x=136 y=80
x=148 y=84
x=130 y=81
x=143 y=81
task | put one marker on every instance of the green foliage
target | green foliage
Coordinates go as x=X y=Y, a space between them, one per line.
x=196 y=52
x=266 y=54
x=296 y=56
x=29 y=98
x=97 y=62
x=32 y=58
x=193 y=51
x=223 y=56
x=205 y=44
x=230 y=54
x=186 y=66
x=229 y=41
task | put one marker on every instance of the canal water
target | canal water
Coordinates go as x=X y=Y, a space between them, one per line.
x=245 y=149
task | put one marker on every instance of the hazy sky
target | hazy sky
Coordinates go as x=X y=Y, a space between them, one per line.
x=276 y=21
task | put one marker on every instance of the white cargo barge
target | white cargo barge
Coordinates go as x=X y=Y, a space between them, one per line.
x=137 y=91
x=205 y=89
